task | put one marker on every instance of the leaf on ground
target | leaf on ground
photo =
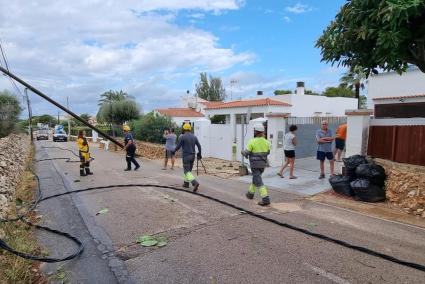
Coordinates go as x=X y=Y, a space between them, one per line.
x=242 y=212
x=149 y=243
x=102 y=211
x=311 y=225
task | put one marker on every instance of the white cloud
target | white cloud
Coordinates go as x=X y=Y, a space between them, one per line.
x=84 y=48
x=287 y=19
x=299 y=8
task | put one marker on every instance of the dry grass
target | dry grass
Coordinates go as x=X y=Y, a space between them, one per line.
x=18 y=235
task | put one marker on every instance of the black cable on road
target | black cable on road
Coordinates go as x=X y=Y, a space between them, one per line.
x=265 y=218
x=345 y=244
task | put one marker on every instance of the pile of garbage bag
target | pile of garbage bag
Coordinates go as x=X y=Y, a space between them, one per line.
x=362 y=179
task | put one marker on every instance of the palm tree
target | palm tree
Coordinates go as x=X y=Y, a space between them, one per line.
x=354 y=80
x=110 y=96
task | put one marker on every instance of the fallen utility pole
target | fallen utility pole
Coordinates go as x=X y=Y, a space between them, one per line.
x=22 y=82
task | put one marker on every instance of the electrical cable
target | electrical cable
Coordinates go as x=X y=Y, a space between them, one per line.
x=241 y=209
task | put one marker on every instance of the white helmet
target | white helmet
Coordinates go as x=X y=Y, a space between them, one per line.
x=259 y=127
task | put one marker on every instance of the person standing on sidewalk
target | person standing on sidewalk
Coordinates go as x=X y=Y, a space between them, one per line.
x=340 y=137
x=257 y=150
x=324 y=138
x=290 y=141
x=170 y=145
x=84 y=153
x=187 y=142
x=130 y=148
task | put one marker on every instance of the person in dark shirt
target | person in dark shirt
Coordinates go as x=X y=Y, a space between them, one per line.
x=187 y=142
x=130 y=148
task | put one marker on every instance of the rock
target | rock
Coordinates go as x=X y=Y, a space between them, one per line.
x=12 y=165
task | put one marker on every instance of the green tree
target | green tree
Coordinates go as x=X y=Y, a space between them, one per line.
x=9 y=112
x=111 y=96
x=354 y=79
x=282 y=92
x=117 y=108
x=76 y=122
x=310 y=92
x=150 y=127
x=43 y=119
x=210 y=90
x=338 y=92
x=386 y=34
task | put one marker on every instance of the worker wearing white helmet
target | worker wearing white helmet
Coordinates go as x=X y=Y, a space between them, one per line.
x=130 y=148
x=257 y=150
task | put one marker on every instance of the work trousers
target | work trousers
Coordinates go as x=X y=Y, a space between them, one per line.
x=129 y=157
x=257 y=181
x=188 y=162
x=84 y=162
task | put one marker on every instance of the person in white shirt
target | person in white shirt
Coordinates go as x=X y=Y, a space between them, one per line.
x=290 y=142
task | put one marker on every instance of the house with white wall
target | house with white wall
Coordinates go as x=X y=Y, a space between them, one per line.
x=391 y=95
x=304 y=105
x=179 y=115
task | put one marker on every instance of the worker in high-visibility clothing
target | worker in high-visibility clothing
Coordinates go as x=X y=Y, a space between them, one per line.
x=130 y=148
x=84 y=153
x=187 y=142
x=257 y=150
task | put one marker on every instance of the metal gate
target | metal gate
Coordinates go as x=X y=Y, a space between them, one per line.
x=306 y=133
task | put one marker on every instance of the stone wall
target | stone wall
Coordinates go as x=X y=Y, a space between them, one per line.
x=14 y=154
x=405 y=186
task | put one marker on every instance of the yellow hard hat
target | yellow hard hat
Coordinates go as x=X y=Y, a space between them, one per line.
x=126 y=127
x=187 y=127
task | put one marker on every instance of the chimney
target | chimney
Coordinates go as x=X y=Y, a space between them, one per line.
x=259 y=93
x=300 y=88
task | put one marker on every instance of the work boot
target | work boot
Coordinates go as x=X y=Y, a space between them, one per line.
x=195 y=184
x=249 y=195
x=127 y=169
x=88 y=172
x=186 y=184
x=82 y=173
x=137 y=167
x=265 y=201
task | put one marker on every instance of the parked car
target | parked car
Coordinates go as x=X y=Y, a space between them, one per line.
x=42 y=134
x=59 y=134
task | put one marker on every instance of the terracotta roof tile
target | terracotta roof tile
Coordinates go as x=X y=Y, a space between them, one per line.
x=400 y=97
x=179 y=112
x=248 y=103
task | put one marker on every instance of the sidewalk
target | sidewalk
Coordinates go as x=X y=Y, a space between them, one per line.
x=307 y=183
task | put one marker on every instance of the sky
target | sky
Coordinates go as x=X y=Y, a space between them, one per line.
x=154 y=50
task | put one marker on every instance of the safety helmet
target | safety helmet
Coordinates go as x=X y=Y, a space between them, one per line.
x=126 y=127
x=187 y=127
x=259 y=127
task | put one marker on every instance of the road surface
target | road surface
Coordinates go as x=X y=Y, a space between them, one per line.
x=208 y=242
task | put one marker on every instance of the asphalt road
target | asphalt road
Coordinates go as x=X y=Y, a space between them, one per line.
x=209 y=242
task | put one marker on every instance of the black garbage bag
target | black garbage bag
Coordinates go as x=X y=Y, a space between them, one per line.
x=367 y=191
x=374 y=173
x=378 y=175
x=341 y=184
x=351 y=163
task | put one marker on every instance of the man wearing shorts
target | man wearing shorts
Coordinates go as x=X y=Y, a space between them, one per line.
x=170 y=145
x=340 y=137
x=324 y=138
